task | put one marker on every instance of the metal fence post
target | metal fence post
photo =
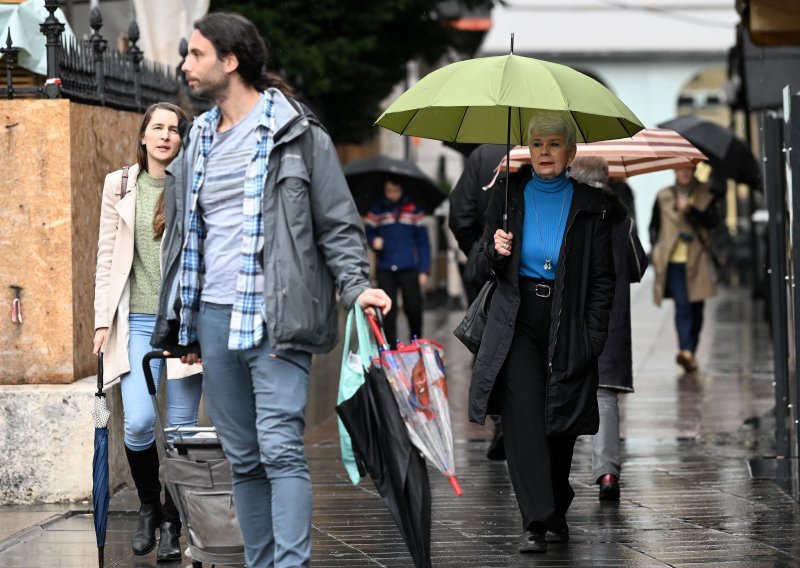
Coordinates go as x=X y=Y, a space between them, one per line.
x=772 y=146
x=136 y=57
x=793 y=160
x=52 y=28
x=11 y=59
x=99 y=45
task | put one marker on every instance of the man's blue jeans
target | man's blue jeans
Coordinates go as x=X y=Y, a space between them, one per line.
x=688 y=315
x=256 y=399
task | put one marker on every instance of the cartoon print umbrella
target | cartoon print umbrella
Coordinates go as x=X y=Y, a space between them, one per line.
x=416 y=374
x=100 y=494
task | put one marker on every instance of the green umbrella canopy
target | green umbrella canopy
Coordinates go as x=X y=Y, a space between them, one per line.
x=469 y=101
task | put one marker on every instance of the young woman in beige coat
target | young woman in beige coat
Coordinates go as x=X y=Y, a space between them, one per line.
x=126 y=293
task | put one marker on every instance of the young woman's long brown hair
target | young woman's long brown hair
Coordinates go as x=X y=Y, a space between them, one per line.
x=159 y=218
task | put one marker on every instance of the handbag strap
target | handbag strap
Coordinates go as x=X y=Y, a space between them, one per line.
x=366 y=348
x=123 y=186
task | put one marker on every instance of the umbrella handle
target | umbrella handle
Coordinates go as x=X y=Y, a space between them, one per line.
x=456 y=486
x=376 y=323
x=99 y=372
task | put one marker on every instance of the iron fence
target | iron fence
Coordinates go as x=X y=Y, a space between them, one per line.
x=90 y=72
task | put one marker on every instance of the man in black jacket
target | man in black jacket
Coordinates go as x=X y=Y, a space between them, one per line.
x=468 y=203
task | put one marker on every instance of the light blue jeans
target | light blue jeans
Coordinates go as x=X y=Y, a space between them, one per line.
x=183 y=395
x=256 y=399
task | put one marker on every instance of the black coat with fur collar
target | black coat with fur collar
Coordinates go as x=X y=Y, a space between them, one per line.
x=582 y=298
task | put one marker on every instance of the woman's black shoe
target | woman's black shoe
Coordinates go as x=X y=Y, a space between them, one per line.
x=497 y=451
x=144 y=538
x=534 y=542
x=609 y=488
x=169 y=548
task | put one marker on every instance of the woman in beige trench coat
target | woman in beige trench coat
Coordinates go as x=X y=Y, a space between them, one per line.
x=126 y=292
x=682 y=217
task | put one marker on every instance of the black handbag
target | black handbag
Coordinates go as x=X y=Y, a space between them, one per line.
x=470 y=330
x=637 y=256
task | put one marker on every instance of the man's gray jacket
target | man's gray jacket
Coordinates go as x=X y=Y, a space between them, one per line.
x=314 y=240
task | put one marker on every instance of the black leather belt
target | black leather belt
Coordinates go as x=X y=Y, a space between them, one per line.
x=543 y=290
x=539 y=286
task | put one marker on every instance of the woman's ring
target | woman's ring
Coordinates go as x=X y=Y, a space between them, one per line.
x=505 y=246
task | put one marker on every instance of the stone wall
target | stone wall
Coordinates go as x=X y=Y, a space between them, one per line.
x=55 y=155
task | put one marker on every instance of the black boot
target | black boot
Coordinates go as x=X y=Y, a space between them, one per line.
x=169 y=548
x=144 y=469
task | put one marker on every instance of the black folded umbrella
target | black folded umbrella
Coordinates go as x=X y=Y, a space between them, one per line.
x=366 y=178
x=728 y=154
x=382 y=448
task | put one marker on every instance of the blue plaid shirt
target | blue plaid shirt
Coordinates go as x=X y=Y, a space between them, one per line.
x=247 y=313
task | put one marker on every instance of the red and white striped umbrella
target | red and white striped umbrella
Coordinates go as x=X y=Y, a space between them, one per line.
x=649 y=150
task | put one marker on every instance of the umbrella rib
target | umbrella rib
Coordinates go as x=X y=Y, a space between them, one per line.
x=403 y=133
x=624 y=127
x=583 y=134
x=460 y=123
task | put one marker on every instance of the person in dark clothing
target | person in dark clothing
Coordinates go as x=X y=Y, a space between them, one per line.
x=615 y=364
x=396 y=232
x=547 y=324
x=467 y=218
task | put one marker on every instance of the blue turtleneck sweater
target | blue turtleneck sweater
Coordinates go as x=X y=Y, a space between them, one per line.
x=545 y=198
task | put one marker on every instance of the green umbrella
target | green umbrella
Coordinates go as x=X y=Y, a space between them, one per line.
x=472 y=100
x=492 y=99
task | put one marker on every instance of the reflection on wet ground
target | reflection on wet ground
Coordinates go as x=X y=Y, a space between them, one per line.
x=687 y=496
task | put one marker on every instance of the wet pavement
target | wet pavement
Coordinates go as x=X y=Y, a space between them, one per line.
x=687 y=495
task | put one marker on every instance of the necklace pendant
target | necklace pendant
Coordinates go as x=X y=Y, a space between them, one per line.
x=548 y=265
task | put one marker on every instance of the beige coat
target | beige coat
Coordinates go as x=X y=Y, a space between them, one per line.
x=112 y=284
x=699 y=272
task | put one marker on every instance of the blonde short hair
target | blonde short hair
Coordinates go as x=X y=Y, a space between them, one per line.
x=548 y=123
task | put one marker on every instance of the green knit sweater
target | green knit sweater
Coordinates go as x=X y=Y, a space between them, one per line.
x=146 y=270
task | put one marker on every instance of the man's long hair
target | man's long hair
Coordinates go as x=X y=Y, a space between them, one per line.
x=233 y=33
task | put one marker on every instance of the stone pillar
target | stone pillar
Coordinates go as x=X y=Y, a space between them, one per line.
x=56 y=154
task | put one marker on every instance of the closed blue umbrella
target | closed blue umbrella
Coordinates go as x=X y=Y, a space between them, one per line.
x=100 y=494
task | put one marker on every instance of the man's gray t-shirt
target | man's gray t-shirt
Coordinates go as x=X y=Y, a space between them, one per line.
x=220 y=201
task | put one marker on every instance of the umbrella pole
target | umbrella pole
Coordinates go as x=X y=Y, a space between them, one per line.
x=508 y=165
x=508 y=155
x=100 y=557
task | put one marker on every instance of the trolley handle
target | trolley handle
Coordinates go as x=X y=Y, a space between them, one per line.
x=148 y=372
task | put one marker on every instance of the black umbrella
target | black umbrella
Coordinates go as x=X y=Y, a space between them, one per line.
x=366 y=178
x=100 y=495
x=728 y=154
x=382 y=447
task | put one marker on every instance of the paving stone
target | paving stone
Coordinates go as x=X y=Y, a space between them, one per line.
x=687 y=497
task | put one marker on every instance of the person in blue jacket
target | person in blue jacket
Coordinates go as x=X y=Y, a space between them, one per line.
x=400 y=240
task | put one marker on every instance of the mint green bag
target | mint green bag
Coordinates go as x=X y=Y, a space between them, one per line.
x=351 y=377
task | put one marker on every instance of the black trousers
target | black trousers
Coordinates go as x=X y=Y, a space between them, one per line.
x=407 y=281
x=539 y=465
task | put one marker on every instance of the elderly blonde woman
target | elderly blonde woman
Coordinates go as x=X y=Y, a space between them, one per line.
x=537 y=364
